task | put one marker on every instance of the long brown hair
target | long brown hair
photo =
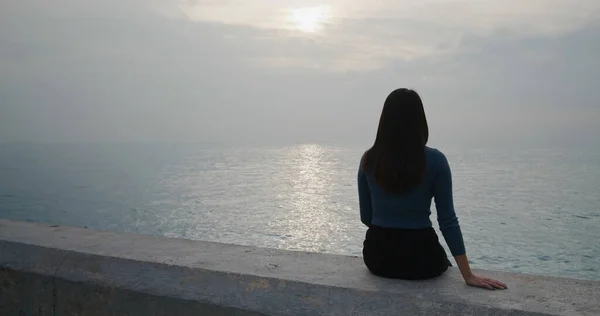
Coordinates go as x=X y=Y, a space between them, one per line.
x=397 y=158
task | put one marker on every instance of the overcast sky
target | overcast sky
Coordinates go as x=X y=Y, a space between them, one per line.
x=296 y=71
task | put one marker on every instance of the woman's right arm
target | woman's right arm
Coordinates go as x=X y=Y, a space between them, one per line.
x=475 y=280
x=450 y=227
x=364 y=196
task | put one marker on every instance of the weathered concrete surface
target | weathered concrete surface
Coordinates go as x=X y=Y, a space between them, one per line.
x=49 y=270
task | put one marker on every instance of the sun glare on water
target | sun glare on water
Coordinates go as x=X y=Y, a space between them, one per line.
x=310 y=19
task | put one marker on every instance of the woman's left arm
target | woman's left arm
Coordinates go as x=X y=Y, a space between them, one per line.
x=364 y=199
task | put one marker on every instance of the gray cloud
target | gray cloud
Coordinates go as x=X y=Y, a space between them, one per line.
x=128 y=71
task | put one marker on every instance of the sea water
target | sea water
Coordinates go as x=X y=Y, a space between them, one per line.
x=523 y=210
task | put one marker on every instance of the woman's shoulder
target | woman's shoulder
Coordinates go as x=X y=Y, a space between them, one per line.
x=435 y=155
x=430 y=151
x=363 y=157
x=362 y=160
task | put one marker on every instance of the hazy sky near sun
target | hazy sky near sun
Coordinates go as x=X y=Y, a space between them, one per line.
x=295 y=71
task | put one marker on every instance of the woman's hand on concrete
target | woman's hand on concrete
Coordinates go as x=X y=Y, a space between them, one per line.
x=483 y=282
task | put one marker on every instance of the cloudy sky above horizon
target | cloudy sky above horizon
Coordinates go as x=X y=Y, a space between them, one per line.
x=295 y=71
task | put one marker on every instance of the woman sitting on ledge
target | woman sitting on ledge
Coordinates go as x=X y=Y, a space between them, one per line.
x=397 y=179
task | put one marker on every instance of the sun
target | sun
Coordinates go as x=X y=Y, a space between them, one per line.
x=310 y=19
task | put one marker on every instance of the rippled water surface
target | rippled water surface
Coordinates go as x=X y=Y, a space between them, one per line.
x=527 y=210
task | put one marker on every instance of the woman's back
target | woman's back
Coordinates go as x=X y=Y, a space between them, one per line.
x=406 y=210
x=412 y=210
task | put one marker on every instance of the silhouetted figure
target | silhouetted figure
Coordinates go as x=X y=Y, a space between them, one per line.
x=397 y=179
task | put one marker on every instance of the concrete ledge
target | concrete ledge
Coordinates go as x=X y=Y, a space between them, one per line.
x=50 y=270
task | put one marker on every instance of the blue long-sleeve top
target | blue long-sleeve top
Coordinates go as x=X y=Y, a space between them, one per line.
x=412 y=210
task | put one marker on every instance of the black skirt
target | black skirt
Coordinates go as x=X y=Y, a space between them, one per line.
x=409 y=254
